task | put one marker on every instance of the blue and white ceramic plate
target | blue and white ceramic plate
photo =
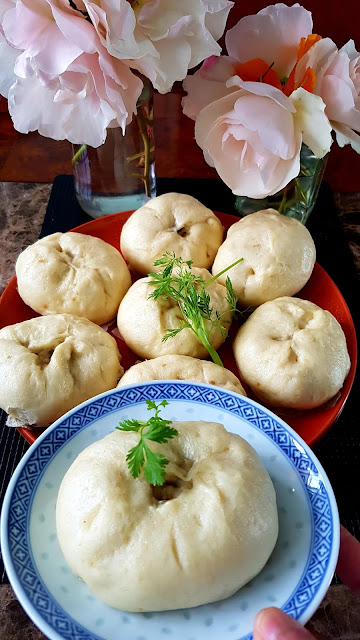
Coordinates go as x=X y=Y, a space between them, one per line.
x=295 y=578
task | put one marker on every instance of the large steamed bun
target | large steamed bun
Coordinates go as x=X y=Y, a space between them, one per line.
x=175 y=367
x=143 y=321
x=278 y=257
x=174 y=223
x=200 y=537
x=73 y=273
x=292 y=353
x=50 y=364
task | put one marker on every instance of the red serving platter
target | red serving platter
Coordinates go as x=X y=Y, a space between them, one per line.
x=309 y=424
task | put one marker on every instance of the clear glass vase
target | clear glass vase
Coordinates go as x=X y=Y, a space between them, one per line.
x=298 y=198
x=120 y=174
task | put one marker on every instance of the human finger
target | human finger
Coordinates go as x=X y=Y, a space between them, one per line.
x=274 y=624
x=348 y=566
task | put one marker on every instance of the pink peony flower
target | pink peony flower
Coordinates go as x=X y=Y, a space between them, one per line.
x=272 y=35
x=207 y=84
x=338 y=83
x=252 y=114
x=163 y=38
x=250 y=138
x=58 y=77
x=262 y=47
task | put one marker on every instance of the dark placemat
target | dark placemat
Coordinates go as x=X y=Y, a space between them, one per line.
x=339 y=450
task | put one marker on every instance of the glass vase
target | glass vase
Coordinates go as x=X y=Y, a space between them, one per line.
x=120 y=174
x=298 y=198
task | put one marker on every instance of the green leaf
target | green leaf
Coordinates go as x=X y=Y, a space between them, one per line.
x=170 y=333
x=156 y=429
x=155 y=467
x=130 y=425
x=151 y=404
x=135 y=459
x=231 y=297
x=160 y=432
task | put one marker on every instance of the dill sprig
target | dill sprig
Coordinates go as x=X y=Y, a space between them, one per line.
x=175 y=280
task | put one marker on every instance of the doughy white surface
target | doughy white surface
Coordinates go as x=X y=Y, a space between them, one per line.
x=278 y=257
x=173 y=222
x=175 y=367
x=143 y=321
x=138 y=550
x=292 y=353
x=73 y=273
x=50 y=364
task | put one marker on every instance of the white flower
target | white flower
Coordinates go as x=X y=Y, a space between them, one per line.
x=58 y=77
x=162 y=38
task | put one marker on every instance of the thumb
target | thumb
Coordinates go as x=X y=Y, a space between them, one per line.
x=274 y=624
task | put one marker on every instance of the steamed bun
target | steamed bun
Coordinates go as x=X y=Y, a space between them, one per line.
x=278 y=257
x=292 y=353
x=50 y=364
x=174 y=223
x=200 y=537
x=175 y=367
x=143 y=321
x=73 y=273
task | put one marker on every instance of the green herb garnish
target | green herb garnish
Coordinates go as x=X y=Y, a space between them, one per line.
x=156 y=429
x=176 y=281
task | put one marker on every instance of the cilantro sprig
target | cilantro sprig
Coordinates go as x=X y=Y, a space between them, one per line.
x=156 y=429
x=176 y=281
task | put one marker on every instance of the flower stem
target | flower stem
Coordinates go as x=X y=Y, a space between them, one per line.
x=77 y=155
x=284 y=199
x=146 y=141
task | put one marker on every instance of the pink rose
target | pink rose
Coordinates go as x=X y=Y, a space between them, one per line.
x=337 y=76
x=273 y=35
x=208 y=84
x=163 y=38
x=340 y=90
x=246 y=124
x=58 y=77
x=250 y=138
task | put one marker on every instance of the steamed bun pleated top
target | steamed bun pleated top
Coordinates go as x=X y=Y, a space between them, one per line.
x=292 y=353
x=175 y=223
x=73 y=273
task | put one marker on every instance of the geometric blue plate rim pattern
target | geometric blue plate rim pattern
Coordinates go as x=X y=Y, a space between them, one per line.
x=27 y=584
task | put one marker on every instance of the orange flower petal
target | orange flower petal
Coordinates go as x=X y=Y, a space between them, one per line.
x=309 y=80
x=258 y=70
x=290 y=84
x=306 y=43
